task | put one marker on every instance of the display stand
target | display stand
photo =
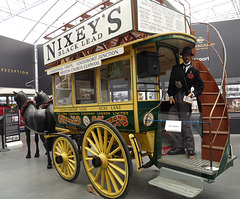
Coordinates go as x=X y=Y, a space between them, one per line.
x=11 y=127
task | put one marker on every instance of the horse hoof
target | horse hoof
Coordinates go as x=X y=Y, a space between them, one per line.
x=49 y=166
x=37 y=155
x=28 y=156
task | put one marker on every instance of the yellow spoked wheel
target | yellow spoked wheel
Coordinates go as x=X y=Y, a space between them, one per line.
x=66 y=158
x=106 y=159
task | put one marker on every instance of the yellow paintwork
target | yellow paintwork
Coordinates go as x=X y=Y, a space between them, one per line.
x=68 y=169
x=114 y=106
x=97 y=143
x=146 y=140
x=136 y=151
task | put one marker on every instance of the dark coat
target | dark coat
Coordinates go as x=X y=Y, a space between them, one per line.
x=192 y=78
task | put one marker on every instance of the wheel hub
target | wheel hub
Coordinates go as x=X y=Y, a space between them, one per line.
x=59 y=159
x=63 y=158
x=100 y=161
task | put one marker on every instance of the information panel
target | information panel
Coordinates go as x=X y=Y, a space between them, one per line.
x=11 y=125
x=153 y=17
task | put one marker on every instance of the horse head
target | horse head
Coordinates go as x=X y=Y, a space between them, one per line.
x=40 y=98
x=20 y=98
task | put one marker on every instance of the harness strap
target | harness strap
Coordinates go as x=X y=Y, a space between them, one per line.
x=25 y=105
x=49 y=101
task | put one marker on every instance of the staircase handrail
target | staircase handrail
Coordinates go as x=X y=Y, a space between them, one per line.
x=222 y=87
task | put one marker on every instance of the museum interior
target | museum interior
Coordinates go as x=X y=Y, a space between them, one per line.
x=95 y=100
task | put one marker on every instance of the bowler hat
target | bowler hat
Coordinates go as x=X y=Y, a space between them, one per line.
x=187 y=50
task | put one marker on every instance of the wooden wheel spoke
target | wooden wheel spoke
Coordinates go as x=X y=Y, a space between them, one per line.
x=62 y=168
x=102 y=179
x=91 y=151
x=113 y=180
x=67 y=171
x=72 y=161
x=91 y=169
x=110 y=145
x=60 y=145
x=65 y=146
x=116 y=160
x=92 y=144
x=115 y=151
x=117 y=168
x=71 y=168
x=108 y=182
x=90 y=158
x=70 y=152
x=105 y=141
x=58 y=149
x=71 y=156
x=57 y=153
x=96 y=140
x=98 y=174
x=116 y=176
x=68 y=148
x=100 y=138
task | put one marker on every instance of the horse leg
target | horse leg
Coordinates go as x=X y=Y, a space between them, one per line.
x=28 y=139
x=37 y=147
x=49 y=166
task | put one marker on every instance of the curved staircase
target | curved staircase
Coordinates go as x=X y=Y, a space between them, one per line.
x=216 y=135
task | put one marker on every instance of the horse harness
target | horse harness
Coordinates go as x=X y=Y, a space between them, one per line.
x=25 y=105
x=45 y=105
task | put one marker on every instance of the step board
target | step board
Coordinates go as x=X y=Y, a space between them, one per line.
x=178 y=182
x=196 y=165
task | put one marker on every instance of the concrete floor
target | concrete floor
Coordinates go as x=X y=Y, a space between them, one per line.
x=29 y=178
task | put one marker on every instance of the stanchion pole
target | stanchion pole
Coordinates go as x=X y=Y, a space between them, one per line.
x=3 y=143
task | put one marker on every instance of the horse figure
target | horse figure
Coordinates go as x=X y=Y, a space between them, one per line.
x=44 y=102
x=35 y=119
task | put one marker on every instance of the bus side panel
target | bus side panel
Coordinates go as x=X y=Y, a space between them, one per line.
x=122 y=120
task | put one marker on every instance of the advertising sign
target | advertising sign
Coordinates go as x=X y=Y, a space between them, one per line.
x=155 y=18
x=85 y=63
x=111 y=22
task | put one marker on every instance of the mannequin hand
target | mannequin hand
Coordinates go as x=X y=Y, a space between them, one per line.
x=190 y=95
x=171 y=100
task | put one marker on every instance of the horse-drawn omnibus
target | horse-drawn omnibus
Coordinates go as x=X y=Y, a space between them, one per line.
x=110 y=108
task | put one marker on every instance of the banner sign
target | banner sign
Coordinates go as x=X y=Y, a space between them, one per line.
x=85 y=63
x=152 y=17
x=110 y=23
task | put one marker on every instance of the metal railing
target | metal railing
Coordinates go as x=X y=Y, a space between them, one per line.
x=222 y=90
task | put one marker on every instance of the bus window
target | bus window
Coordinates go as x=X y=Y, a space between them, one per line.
x=116 y=81
x=146 y=89
x=63 y=91
x=85 y=87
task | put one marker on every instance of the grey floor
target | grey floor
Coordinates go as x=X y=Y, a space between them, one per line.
x=22 y=178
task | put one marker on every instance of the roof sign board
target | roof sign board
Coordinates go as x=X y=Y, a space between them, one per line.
x=152 y=17
x=110 y=23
